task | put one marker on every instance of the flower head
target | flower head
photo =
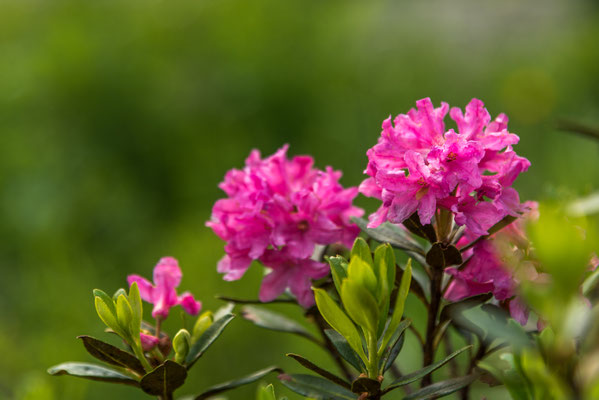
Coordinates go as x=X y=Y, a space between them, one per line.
x=163 y=294
x=418 y=166
x=276 y=211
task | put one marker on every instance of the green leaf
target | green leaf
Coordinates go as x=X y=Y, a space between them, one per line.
x=508 y=219
x=202 y=323
x=361 y=250
x=124 y=314
x=119 y=292
x=384 y=263
x=274 y=321
x=390 y=353
x=200 y=347
x=93 y=372
x=266 y=393
x=181 y=345
x=164 y=379
x=345 y=349
x=442 y=388
x=360 y=305
x=322 y=372
x=111 y=354
x=400 y=301
x=224 y=310
x=421 y=373
x=109 y=302
x=137 y=308
x=389 y=233
x=107 y=313
x=339 y=321
x=338 y=270
x=253 y=377
x=315 y=387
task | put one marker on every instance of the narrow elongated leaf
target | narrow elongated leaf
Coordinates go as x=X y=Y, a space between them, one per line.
x=274 y=321
x=320 y=371
x=421 y=373
x=93 y=372
x=207 y=338
x=414 y=225
x=315 y=387
x=164 y=379
x=224 y=310
x=402 y=294
x=442 y=388
x=339 y=321
x=107 y=312
x=389 y=233
x=338 y=270
x=360 y=305
x=390 y=353
x=222 y=387
x=137 y=308
x=453 y=309
x=345 y=349
x=110 y=354
x=361 y=250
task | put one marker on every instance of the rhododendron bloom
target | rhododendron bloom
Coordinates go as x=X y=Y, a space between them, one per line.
x=276 y=211
x=163 y=294
x=148 y=342
x=418 y=166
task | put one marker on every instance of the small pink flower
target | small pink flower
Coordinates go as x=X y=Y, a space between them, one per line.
x=163 y=294
x=148 y=342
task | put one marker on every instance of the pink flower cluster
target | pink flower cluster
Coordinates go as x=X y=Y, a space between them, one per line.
x=276 y=211
x=163 y=294
x=417 y=166
x=486 y=270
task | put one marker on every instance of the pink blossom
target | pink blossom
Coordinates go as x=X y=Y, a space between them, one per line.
x=163 y=294
x=148 y=342
x=285 y=205
x=418 y=166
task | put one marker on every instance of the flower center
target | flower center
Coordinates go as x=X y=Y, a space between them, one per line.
x=451 y=156
x=421 y=181
x=303 y=225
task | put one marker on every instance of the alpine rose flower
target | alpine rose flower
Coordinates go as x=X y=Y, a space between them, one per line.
x=486 y=269
x=167 y=276
x=276 y=211
x=419 y=166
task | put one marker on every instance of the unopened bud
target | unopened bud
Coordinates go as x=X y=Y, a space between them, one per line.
x=181 y=345
x=204 y=321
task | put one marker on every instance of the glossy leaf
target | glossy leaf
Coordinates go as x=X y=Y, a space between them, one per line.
x=345 y=349
x=339 y=321
x=402 y=294
x=110 y=354
x=361 y=250
x=107 y=312
x=315 y=387
x=442 y=388
x=211 y=334
x=320 y=371
x=222 y=387
x=421 y=373
x=389 y=233
x=360 y=305
x=164 y=379
x=274 y=321
x=338 y=270
x=224 y=310
x=395 y=345
x=124 y=313
x=93 y=372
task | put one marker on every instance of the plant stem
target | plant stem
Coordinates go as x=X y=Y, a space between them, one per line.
x=373 y=360
x=158 y=324
x=140 y=355
x=429 y=350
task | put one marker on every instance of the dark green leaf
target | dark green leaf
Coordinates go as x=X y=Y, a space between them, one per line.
x=93 y=372
x=414 y=376
x=322 y=372
x=453 y=309
x=425 y=231
x=164 y=379
x=345 y=349
x=508 y=219
x=389 y=233
x=442 y=388
x=395 y=344
x=222 y=387
x=111 y=354
x=207 y=338
x=364 y=384
x=274 y=321
x=315 y=387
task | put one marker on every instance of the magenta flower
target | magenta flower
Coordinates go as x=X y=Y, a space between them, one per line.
x=148 y=342
x=418 y=166
x=163 y=294
x=281 y=206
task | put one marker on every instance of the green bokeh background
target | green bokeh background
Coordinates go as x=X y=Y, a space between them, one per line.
x=119 y=118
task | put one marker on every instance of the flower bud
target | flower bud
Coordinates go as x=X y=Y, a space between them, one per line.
x=204 y=321
x=148 y=342
x=181 y=345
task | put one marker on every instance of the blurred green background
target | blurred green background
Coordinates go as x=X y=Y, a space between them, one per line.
x=119 y=118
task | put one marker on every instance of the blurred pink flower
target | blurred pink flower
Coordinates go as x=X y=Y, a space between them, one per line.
x=163 y=294
x=418 y=166
x=280 y=206
x=148 y=342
